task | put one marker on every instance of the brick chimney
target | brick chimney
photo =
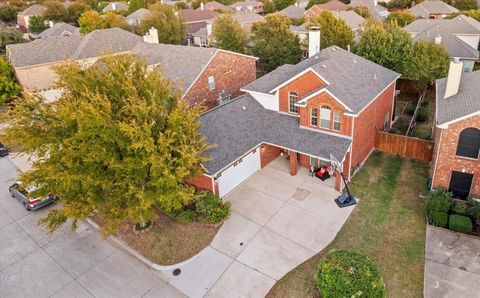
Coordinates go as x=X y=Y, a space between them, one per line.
x=454 y=76
x=313 y=41
x=151 y=36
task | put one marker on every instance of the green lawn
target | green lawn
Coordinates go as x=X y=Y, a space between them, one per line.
x=387 y=225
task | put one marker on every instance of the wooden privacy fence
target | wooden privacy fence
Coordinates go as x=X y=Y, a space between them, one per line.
x=404 y=146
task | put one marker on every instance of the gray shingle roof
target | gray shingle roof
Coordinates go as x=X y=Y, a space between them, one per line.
x=247 y=17
x=353 y=19
x=139 y=14
x=118 y=6
x=464 y=103
x=351 y=77
x=180 y=63
x=58 y=48
x=377 y=11
x=235 y=130
x=214 y=5
x=59 y=29
x=298 y=29
x=428 y=7
x=33 y=10
x=292 y=11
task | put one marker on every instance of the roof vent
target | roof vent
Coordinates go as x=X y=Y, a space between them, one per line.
x=324 y=66
x=244 y=107
x=354 y=60
x=374 y=76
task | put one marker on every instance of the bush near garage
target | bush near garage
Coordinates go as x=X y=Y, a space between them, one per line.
x=460 y=223
x=460 y=207
x=438 y=218
x=347 y=273
x=211 y=207
x=473 y=210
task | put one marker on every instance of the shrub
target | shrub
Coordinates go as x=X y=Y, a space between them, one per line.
x=347 y=273
x=425 y=103
x=473 y=210
x=460 y=223
x=438 y=200
x=8 y=13
x=211 y=207
x=409 y=109
x=438 y=218
x=187 y=215
x=422 y=115
x=460 y=207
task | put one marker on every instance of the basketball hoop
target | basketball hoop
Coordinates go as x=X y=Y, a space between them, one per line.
x=337 y=165
x=345 y=199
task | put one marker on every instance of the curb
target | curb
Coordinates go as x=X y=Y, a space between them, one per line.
x=139 y=256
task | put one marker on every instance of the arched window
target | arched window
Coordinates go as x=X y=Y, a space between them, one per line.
x=292 y=100
x=469 y=143
x=325 y=117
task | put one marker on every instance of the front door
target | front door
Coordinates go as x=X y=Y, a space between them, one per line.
x=460 y=184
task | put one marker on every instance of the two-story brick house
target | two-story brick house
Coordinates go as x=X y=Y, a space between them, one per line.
x=329 y=104
x=455 y=164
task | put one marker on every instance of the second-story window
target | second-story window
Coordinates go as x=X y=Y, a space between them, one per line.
x=314 y=117
x=292 y=100
x=211 y=83
x=336 y=121
x=469 y=143
x=325 y=117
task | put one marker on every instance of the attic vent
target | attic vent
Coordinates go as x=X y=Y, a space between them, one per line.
x=324 y=66
x=374 y=76
x=354 y=60
x=244 y=107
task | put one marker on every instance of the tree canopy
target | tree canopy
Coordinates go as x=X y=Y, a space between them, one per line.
x=119 y=141
x=228 y=34
x=75 y=10
x=268 y=6
x=135 y=5
x=473 y=13
x=315 y=2
x=8 y=84
x=429 y=62
x=55 y=11
x=37 y=24
x=334 y=31
x=10 y=36
x=401 y=18
x=8 y=13
x=363 y=11
x=89 y=21
x=275 y=44
x=281 y=4
x=112 y=20
x=169 y=26
x=465 y=4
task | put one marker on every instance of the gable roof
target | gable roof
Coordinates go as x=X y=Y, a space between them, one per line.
x=244 y=17
x=377 y=11
x=214 y=5
x=354 y=80
x=428 y=7
x=464 y=103
x=298 y=29
x=193 y=16
x=59 y=48
x=118 y=6
x=292 y=11
x=33 y=10
x=59 y=29
x=242 y=124
x=353 y=19
x=138 y=14
x=332 y=5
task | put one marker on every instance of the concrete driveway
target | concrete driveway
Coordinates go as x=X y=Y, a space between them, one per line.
x=36 y=264
x=278 y=221
x=452 y=264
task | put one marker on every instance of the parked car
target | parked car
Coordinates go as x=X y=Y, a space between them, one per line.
x=3 y=150
x=30 y=202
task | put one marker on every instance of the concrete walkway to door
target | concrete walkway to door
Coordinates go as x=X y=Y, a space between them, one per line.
x=278 y=221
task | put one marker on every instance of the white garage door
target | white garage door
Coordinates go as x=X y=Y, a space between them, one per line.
x=235 y=175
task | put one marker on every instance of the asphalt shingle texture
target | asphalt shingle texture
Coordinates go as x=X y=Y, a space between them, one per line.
x=58 y=29
x=239 y=126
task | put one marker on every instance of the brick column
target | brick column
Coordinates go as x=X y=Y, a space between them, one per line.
x=293 y=163
x=338 y=181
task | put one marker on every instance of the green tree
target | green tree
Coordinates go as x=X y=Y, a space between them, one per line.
x=401 y=18
x=75 y=10
x=275 y=44
x=8 y=84
x=363 y=11
x=465 y=4
x=170 y=27
x=429 y=63
x=119 y=141
x=55 y=11
x=37 y=24
x=315 y=2
x=10 y=36
x=179 y=5
x=135 y=5
x=391 y=47
x=112 y=20
x=228 y=34
x=8 y=13
x=89 y=21
x=268 y=6
x=334 y=31
x=473 y=13
x=281 y=4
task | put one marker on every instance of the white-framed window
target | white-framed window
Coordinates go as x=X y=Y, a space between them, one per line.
x=325 y=117
x=385 y=121
x=314 y=117
x=336 y=121
x=292 y=100
x=211 y=83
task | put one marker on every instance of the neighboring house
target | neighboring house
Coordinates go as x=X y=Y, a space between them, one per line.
x=214 y=6
x=207 y=76
x=302 y=32
x=460 y=36
x=293 y=11
x=115 y=6
x=196 y=19
x=24 y=16
x=332 y=5
x=329 y=104
x=247 y=19
x=252 y=6
x=378 y=12
x=455 y=164
x=353 y=20
x=60 y=29
x=33 y=62
x=136 y=17
x=432 y=10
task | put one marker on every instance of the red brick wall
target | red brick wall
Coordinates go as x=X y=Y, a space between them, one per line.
x=448 y=161
x=230 y=71
x=268 y=153
x=370 y=120
x=303 y=85
x=201 y=182
x=324 y=99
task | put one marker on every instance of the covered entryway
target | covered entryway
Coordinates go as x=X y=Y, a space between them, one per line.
x=460 y=184
x=238 y=172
